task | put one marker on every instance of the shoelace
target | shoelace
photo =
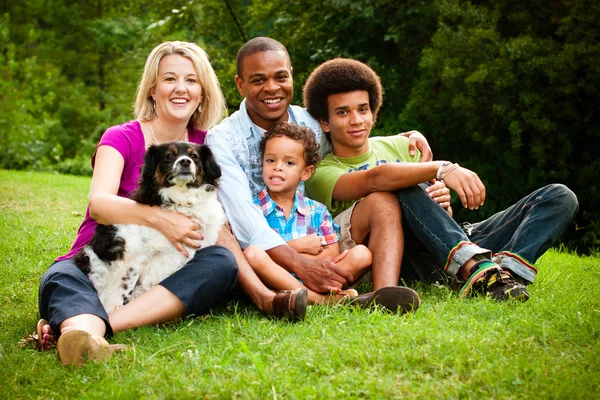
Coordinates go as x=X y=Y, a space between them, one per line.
x=498 y=274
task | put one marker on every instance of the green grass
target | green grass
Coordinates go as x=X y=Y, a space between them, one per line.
x=545 y=348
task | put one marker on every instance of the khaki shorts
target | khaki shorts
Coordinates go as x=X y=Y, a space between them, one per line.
x=346 y=243
x=343 y=220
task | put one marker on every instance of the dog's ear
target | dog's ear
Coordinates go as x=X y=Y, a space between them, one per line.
x=146 y=191
x=212 y=171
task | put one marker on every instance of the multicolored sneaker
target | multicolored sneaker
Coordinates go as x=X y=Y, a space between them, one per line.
x=488 y=279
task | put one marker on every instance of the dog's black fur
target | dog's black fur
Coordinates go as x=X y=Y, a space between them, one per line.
x=165 y=166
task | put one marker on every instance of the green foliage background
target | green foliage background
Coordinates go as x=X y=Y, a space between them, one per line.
x=508 y=89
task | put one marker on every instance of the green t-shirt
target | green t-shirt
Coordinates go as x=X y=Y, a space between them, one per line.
x=382 y=149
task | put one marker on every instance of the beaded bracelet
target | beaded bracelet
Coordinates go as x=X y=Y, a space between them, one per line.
x=447 y=171
x=439 y=171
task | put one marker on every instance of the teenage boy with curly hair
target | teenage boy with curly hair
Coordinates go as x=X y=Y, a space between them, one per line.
x=345 y=96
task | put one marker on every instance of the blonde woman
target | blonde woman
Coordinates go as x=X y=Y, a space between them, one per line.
x=178 y=99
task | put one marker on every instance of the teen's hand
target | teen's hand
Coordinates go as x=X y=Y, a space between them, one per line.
x=309 y=244
x=418 y=141
x=440 y=193
x=179 y=230
x=468 y=186
x=323 y=276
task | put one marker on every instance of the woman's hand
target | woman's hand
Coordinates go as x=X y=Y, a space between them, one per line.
x=179 y=229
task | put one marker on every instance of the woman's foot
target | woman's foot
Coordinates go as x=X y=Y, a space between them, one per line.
x=45 y=336
x=76 y=347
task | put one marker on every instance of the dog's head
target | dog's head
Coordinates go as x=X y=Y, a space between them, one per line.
x=175 y=163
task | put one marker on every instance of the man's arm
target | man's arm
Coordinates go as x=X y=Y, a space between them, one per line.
x=418 y=141
x=320 y=275
x=250 y=226
x=247 y=221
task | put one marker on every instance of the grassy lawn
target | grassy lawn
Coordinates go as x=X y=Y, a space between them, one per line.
x=548 y=347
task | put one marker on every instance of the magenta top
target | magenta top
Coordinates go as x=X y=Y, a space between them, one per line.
x=127 y=139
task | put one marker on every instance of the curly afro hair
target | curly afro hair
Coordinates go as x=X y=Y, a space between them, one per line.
x=340 y=75
x=300 y=134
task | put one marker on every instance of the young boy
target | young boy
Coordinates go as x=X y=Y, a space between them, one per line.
x=345 y=96
x=289 y=155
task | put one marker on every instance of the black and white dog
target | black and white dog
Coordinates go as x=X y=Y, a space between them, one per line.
x=124 y=261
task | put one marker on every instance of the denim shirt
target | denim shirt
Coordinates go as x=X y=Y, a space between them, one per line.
x=235 y=143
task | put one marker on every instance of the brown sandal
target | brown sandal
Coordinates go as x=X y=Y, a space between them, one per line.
x=291 y=304
x=77 y=347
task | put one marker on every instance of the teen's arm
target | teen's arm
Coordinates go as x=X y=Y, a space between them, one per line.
x=394 y=176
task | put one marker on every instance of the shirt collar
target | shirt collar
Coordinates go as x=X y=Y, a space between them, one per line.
x=252 y=129
x=268 y=205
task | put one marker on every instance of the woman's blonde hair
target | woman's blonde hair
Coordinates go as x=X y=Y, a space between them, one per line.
x=213 y=103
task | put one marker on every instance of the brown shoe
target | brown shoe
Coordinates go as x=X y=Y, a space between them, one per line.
x=398 y=299
x=291 y=304
x=77 y=347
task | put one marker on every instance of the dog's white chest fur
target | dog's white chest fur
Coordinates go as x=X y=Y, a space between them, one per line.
x=149 y=257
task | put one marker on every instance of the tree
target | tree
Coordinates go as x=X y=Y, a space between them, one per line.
x=510 y=90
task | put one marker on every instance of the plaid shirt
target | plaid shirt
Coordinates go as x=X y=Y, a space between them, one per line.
x=306 y=217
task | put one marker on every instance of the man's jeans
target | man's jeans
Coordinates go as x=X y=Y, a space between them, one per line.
x=514 y=238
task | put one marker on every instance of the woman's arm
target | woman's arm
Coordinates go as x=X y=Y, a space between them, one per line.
x=106 y=207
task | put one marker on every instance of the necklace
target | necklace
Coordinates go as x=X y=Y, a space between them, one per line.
x=377 y=162
x=182 y=138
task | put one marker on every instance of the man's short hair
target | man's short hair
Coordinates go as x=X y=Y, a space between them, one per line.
x=301 y=134
x=340 y=75
x=258 y=45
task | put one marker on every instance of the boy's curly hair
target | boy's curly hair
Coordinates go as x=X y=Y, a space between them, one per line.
x=301 y=134
x=340 y=75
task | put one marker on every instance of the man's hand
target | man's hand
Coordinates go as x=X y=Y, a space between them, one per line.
x=323 y=276
x=468 y=186
x=418 y=141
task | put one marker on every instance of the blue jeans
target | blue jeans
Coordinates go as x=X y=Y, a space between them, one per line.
x=207 y=279
x=514 y=238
